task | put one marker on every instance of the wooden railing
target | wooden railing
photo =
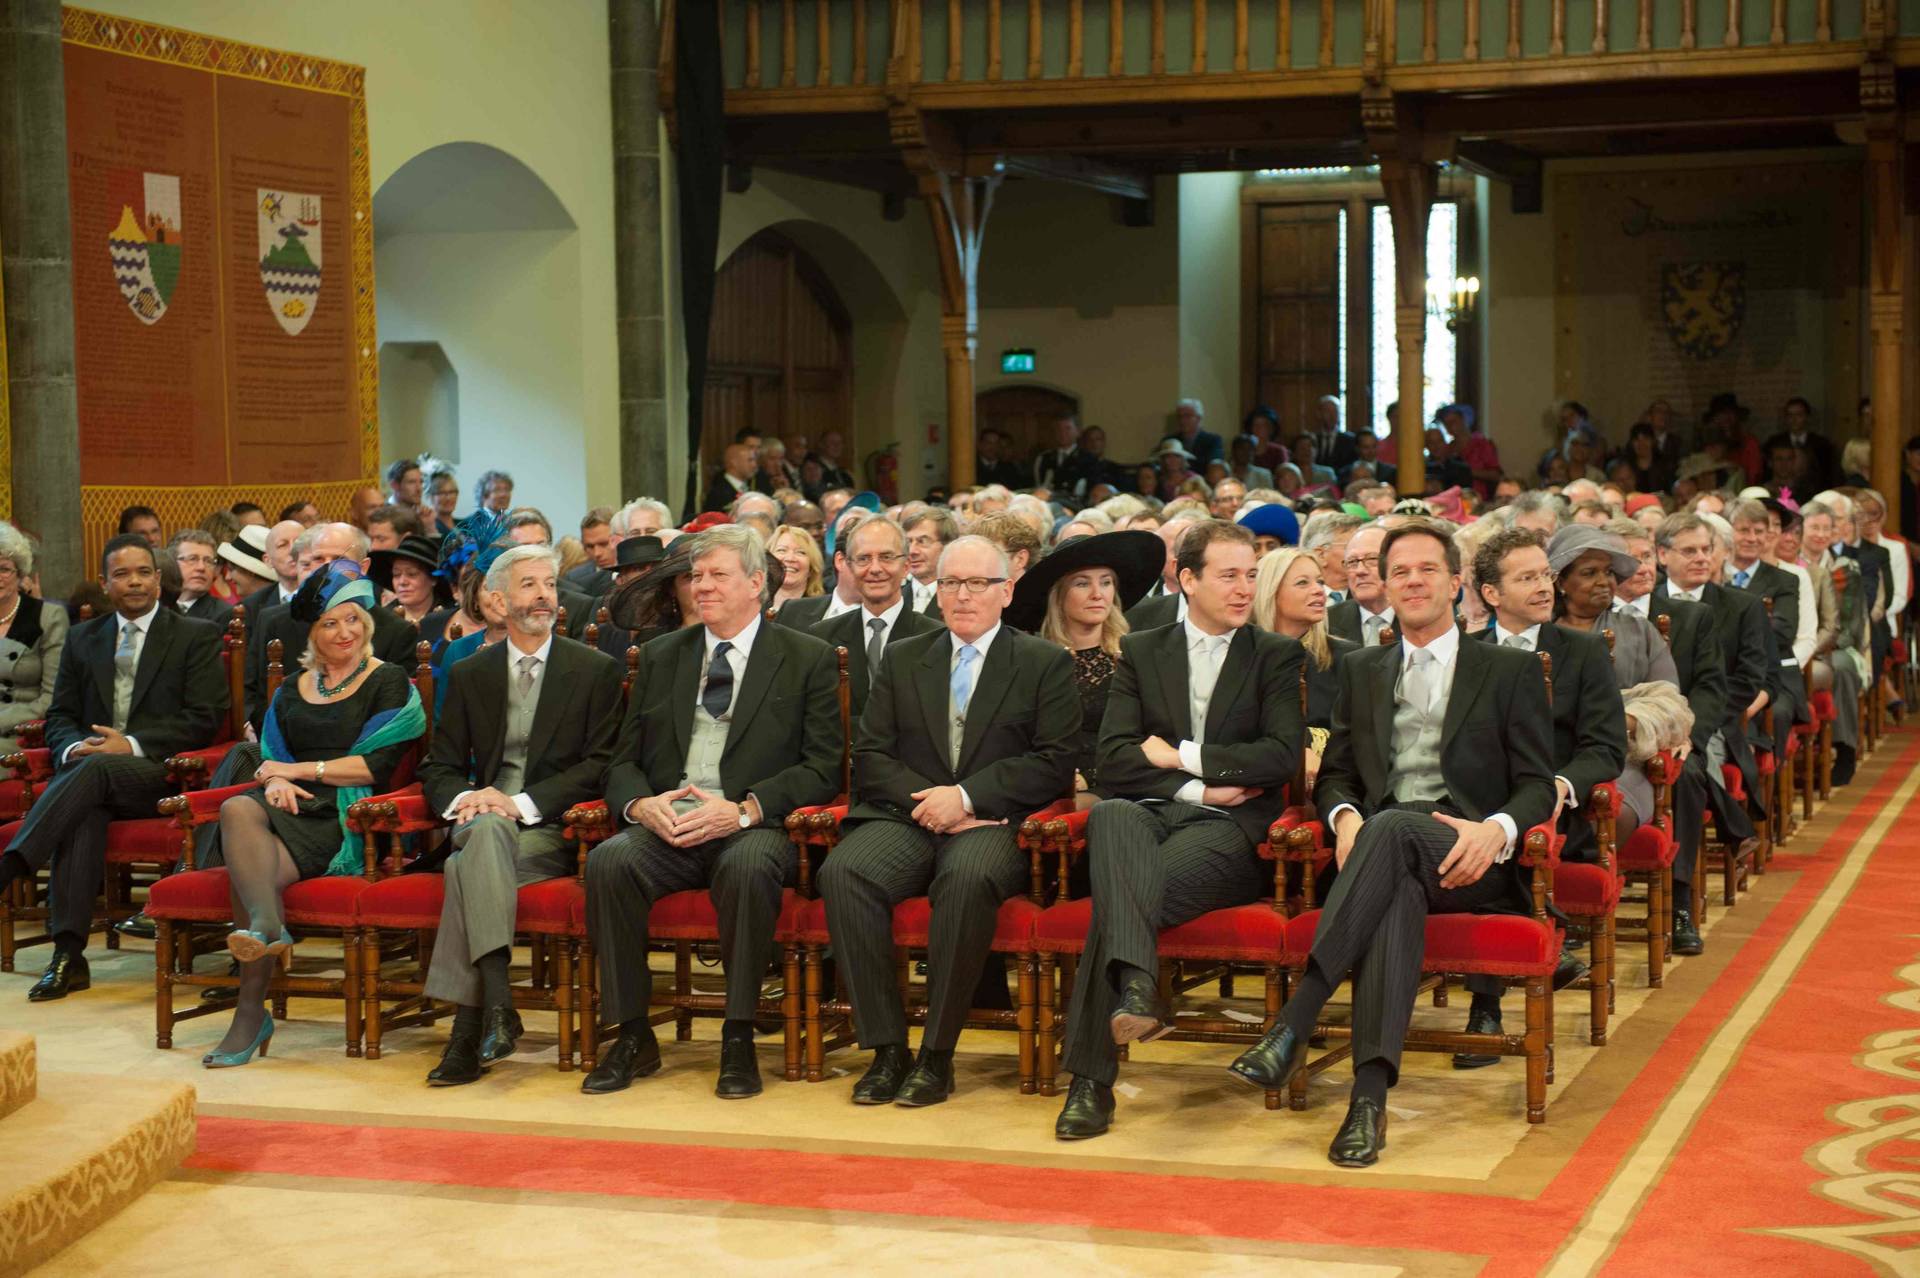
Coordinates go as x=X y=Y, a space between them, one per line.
x=786 y=48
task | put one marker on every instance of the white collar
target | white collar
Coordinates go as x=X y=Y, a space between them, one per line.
x=1502 y=634
x=1638 y=606
x=738 y=485
x=836 y=605
x=1696 y=595
x=980 y=645
x=1366 y=612
x=540 y=655
x=891 y=616
x=1197 y=636
x=144 y=622
x=1444 y=646
x=742 y=642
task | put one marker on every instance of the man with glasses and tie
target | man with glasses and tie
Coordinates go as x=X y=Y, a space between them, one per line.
x=1202 y=732
x=134 y=687
x=1515 y=578
x=965 y=733
x=1441 y=758
x=1366 y=611
x=526 y=732
x=876 y=560
x=731 y=725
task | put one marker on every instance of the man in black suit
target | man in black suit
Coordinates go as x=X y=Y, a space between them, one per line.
x=1333 y=447
x=1201 y=736
x=134 y=688
x=594 y=578
x=731 y=725
x=1366 y=611
x=990 y=466
x=1876 y=569
x=736 y=476
x=1203 y=444
x=1366 y=449
x=842 y=596
x=928 y=530
x=1165 y=603
x=1819 y=466
x=965 y=734
x=876 y=559
x=1441 y=759
x=1748 y=569
x=527 y=731
x=1739 y=638
x=393 y=635
x=197 y=555
x=1589 y=719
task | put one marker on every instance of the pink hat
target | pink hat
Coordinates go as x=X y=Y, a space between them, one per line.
x=1638 y=502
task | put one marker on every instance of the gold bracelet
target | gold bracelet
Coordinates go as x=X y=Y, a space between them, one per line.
x=320 y=771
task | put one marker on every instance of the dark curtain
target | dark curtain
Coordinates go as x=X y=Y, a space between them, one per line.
x=701 y=161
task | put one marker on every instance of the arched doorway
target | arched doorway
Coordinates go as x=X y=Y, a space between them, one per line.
x=1024 y=416
x=779 y=349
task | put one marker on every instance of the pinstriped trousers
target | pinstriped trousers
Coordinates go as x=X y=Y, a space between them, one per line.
x=67 y=829
x=967 y=877
x=1375 y=922
x=1152 y=866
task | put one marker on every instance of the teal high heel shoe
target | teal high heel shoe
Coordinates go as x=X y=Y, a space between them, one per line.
x=228 y=1060
x=247 y=947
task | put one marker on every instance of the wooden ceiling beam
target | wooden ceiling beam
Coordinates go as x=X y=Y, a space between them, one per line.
x=1127 y=181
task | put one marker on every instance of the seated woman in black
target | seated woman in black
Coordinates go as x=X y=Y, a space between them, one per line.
x=332 y=736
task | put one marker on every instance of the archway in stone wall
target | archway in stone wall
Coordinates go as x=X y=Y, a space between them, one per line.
x=477 y=260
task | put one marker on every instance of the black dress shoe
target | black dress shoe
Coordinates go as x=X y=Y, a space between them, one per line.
x=1478 y=1022
x=739 y=1070
x=1141 y=1015
x=498 y=1031
x=881 y=1083
x=1844 y=761
x=930 y=1083
x=631 y=1056
x=1087 y=1113
x=139 y=925
x=1570 y=968
x=1361 y=1137
x=1272 y=1062
x=460 y=1063
x=67 y=974
x=1686 y=937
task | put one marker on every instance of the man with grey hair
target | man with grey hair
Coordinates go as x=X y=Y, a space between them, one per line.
x=493 y=491
x=731 y=725
x=1205 y=446
x=1333 y=447
x=876 y=559
x=642 y=517
x=197 y=554
x=749 y=504
x=928 y=530
x=526 y=731
x=1325 y=537
x=1538 y=510
x=1750 y=567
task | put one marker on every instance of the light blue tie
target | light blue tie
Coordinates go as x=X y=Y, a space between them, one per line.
x=963 y=678
x=1741 y=578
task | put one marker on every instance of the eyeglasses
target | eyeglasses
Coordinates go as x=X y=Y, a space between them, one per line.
x=1528 y=580
x=973 y=585
x=203 y=561
x=886 y=560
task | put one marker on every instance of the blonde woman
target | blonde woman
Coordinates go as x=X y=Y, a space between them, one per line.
x=1290 y=598
x=1077 y=597
x=799 y=556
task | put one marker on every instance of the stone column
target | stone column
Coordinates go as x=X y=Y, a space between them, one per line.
x=36 y=258
x=633 y=30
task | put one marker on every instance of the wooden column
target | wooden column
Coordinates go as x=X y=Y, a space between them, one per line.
x=1408 y=182
x=958 y=204
x=1887 y=278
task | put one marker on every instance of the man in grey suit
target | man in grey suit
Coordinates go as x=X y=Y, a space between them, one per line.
x=966 y=732
x=1202 y=733
x=1441 y=758
x=134 y=687
x=731 y=725
x=876 y=558
x=527 y=731
x=1365 y=611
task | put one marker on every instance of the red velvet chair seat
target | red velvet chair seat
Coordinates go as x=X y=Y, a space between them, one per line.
x=1823 y=708
x=690 y=916
x=1766 y=765
x=1647 y=848
x=1062 y=928
x=1255 y=933
x=1474 y=944
x=1012 y=932
x=1736 y=783
x=195 y=896
x=143 y=841
x=1584 y=889
x=405 y=901
x=323 y=902
x=556 y=907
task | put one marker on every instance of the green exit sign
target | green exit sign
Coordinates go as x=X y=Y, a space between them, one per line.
x=1016 y=361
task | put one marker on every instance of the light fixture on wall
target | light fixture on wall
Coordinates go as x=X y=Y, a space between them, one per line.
x=1454 y=304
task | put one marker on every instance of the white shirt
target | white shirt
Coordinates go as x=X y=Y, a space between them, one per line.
x=1532 y=637
x=1691 y=596
x=1638 y=606
x=1384 y=616
x=186 y=602
x=1205 y=655
x=891 y=616
x=835 y=606
x=736 y=655
x=529 y=811
x=980 y=647
x=1445 y=648
x=1808 y=631
x=924 y=593
x=1902 y=574
x=144 y=624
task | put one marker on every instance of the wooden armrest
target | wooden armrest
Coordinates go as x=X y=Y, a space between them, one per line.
x=1604 y=801
x=403 y=811
x=191 y=769
x=1067 y=833
x=29 y=765
x=32 y=734
x=199 y=807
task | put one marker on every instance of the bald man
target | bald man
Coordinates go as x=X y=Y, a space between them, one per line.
x=362 y=504
x=735 y=477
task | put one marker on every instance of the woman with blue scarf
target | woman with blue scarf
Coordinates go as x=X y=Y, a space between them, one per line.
x=332 y=736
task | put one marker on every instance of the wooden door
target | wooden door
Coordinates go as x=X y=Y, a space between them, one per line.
x=1292 y=283
x=1024 y=416
x=779 y=349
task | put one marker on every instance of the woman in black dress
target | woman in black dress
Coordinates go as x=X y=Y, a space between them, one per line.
x=332 y=736
x=1077 y=597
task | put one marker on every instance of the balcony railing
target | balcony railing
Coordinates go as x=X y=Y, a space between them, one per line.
x=787 y=55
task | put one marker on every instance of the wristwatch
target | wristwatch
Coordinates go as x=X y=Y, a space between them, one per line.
x=746 y=820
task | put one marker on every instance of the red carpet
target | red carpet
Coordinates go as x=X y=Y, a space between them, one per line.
x=1743 y=1189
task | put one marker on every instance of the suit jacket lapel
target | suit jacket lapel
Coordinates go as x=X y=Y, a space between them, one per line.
x=763 y=663
x=106 y=638
x=989 y=690
x=1175 y=680
x=546 y=711
x=1469 y=672
x=686 y=686
x=1234 y=670
x=152 y=654
x=1386 y=675
x=931 y=681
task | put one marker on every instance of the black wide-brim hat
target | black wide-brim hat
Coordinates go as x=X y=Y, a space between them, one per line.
x=1136 y=557
x=424 y=551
